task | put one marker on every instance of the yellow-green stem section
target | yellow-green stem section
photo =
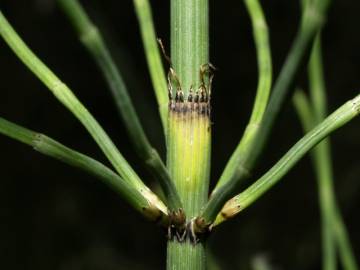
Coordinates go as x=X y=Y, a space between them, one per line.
x=189 y=153
x=189 y=166
x=188 y=134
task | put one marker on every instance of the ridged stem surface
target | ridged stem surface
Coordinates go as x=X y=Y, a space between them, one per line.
x=185 y=256
x=189 y=136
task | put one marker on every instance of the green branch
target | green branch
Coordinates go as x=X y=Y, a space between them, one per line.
x=322 y=163
x=261 y=36
x=322 y=157
x=143 y=11
x=144 y=202
x=321 y=160
x=69 y=100
x=92 y=39
x=334 y=230
x=311 y=21
x=337 y=119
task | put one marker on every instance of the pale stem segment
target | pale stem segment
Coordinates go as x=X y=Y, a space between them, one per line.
x=152 y=52
x=70 y=101
x=92 y=39
x=149 y=206
x=261 y=36
x=189 y=136
x=334 y=121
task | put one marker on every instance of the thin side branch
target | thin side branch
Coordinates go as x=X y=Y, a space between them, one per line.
x=321 y=160
x=143 y=201
x=334 y=233
x=312 y=20
x=240 y=202
x=92 y=39
x=70 y=101
x=152 y=52
x=261 y=35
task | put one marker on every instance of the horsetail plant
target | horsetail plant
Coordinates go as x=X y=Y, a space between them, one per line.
x=188 y=213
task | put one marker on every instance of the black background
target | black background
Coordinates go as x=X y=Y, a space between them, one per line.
x=55 y=217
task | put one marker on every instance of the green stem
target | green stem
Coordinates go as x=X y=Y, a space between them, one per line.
x=92 y=39
x=185 y=256
x=337 y=119
x=145 y=203
x=189 y=165
x=189 y=136
x=189 y=40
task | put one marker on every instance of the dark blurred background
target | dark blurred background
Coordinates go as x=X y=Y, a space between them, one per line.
x=55 y=217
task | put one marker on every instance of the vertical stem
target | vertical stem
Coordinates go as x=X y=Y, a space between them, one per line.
x=189 y=136
x=189 y=165
x=185 y=256
x=189 y=153
x=189 y=40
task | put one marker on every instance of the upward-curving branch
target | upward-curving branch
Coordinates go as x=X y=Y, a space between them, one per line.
x=337 y=119
x=261 y=35
x=312 y=20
